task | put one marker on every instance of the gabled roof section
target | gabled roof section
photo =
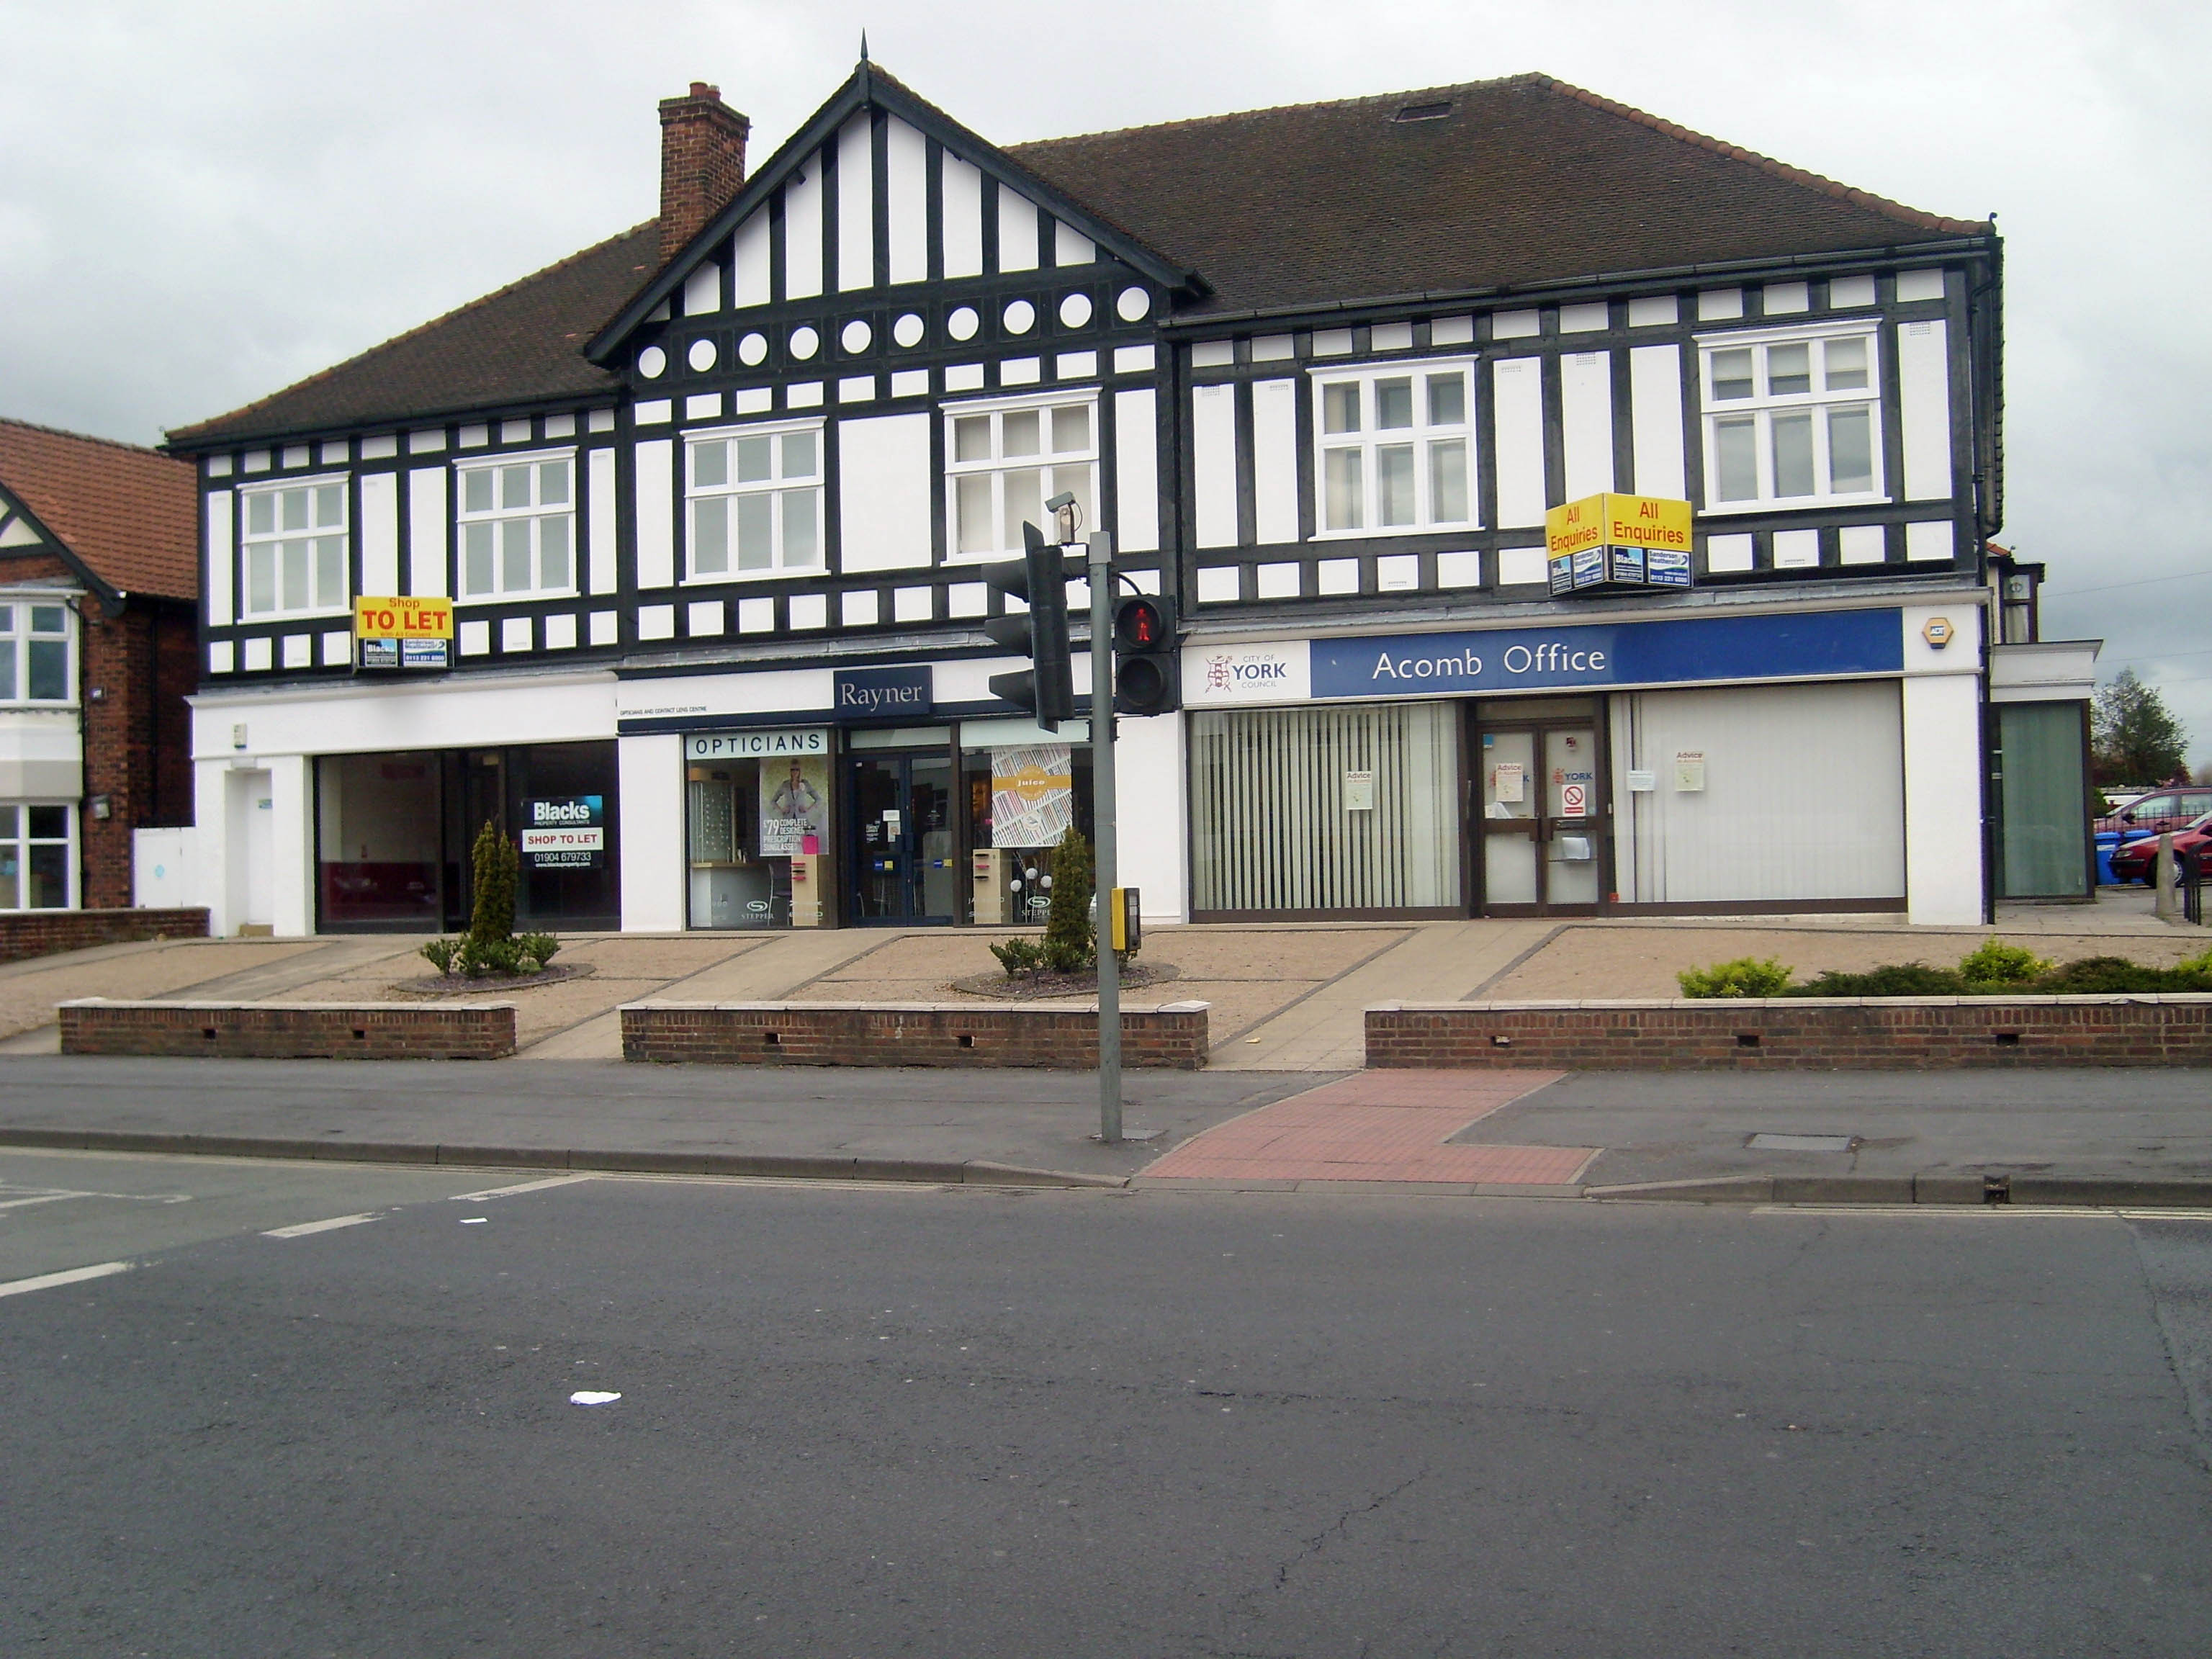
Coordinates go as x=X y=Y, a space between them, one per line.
x=125 y=518
x=1487 y=185
x=521 y=344
x=872 y=87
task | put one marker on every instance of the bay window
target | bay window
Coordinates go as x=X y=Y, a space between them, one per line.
x=1791 y=420
x=35 y=653
x=1396 y=450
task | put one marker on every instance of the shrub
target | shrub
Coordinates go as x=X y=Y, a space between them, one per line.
x=440 y=953
x=1070 y=945
x=491 y=923
x=540 y=947
x=2110 y=976
x=1995 y=963
x=1893 y=979
x=1744 y=977
x=1018 y=956
x=2199 y=964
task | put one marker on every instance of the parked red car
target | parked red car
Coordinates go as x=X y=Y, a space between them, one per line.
x=2132 y=860
x=2159 y=811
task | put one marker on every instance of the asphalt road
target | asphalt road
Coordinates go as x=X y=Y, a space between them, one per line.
x=921 y=1421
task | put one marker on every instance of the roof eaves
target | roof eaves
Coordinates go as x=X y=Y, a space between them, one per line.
x=53 y=546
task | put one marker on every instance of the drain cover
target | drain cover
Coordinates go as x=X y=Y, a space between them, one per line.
x=1767 y=1143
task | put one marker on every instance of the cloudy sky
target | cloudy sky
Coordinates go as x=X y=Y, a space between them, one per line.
x=201 y=202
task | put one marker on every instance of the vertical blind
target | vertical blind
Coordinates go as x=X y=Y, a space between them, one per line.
x=1271 y=826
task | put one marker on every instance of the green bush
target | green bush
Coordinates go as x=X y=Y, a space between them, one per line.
x=2113 y=976
x=1744 y=977
x=1018 y=956
x=491 y=923
x=1894 y=979
x=2200 y=964
x=541 y=948
x=439 y=953
x=1995 y=963
x=1070 y=945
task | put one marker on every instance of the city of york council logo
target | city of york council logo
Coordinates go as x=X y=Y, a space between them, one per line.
x=1224 y=672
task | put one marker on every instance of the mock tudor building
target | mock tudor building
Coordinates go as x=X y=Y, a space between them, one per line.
x=703 y=508
x=99 y=580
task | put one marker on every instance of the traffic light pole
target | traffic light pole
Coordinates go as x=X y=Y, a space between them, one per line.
x=1103 y=814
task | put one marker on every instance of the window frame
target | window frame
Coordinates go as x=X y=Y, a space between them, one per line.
x=497 y=515
x=22 y=841
x=1421 y=434
x=248 y=542
x=774 y=489
x=1762 y=406
x=15 y=692
x=1040 y=402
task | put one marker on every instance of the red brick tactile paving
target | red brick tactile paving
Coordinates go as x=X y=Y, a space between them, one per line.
x=1377 y=1125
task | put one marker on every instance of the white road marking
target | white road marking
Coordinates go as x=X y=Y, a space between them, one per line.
x=301 y=1229
x=523 y=1186
x=592 y=1397
x=72 y=1276
x=55 y=1195
x=1947 y=1212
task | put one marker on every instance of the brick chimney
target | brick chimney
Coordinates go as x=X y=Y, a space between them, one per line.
x=702 y=162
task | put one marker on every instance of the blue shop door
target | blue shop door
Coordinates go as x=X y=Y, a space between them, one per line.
x=904 y=859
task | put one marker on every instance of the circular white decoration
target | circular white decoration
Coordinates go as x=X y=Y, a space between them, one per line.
x=1075 y=310
x=908 y=330
x=856 y=336
x=1135 y=305
x=651 y=362
x=752 y=349
x=963 y=323
x=700 y=356
x=805 y=343
x=1020 y=317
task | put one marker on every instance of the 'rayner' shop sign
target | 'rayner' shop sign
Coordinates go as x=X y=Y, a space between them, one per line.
x=883 y=693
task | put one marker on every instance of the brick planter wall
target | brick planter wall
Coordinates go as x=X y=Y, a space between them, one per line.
x=43 y=933
x=289 y=1030
x=1169 y=1034
x=1795 y=1033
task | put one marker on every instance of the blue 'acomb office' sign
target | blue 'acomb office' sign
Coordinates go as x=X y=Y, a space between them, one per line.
x=1805 y=645
x=883 y=693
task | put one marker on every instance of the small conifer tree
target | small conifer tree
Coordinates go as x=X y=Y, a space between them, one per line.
x=1070 y=946
x=491 y=923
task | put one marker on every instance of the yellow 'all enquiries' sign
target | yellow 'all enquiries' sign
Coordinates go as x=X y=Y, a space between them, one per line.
x=403 y=619
x=1611 y=520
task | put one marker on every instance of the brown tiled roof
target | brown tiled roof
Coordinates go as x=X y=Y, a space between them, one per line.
x=131 y=513
x=521 y=345
x=1525 y=181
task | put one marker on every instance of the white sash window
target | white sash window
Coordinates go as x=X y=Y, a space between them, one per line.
x=1792 y=420
x=1396 y=450
x=292 y=549
x=1004 y=461
x=753 y=497
x=518 y=526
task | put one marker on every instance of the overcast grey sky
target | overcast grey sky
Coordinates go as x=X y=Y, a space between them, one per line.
x=201 y=202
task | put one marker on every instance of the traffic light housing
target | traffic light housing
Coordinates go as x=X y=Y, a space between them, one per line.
x=1147 y=666
x=1046 y=689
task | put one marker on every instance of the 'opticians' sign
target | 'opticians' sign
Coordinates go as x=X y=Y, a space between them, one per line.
x=755 y=745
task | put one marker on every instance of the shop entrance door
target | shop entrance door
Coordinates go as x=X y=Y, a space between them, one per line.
x=1541 y=820
x=904 y=864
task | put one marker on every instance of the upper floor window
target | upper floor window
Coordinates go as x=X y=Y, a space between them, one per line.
x=1004 y=463
x=294 y=548
x=754 y=500
x=518 y=526
x=35 y=653
x=1394 y=449
x=1792 y=420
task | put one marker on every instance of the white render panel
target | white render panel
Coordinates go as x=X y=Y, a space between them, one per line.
x=298 y=651
x=1803 y=796
x=750 y=261
x=656 y=513
x=514 y=633
x=1796 y=549
x=962 y=188
x=1151 y=778
x=380 y=533
x=1919 y=285
x=1943 y=798
x=884 y=492
x=1017 y=231
x=1729 y=553
x=1860 y=544
x=473 y=638
x=1517 y=413
x=1070 y=246
x=1586 y=421
x=291 y=844
x=702 y=618
x=560 y=633
x=802 y=232
x=344 y=718
x=338 y=648
x=221 y=555
x=1213 y=455
x=702 y=290
x=1136 y=472
x=649 y=772
x=1923 y=408
x=1933 y=540
x=654 y=622
x=1217 y=585
x=426 y=532
x=599 y=552
x=1846 y=293
x=1780 y=298
x=907 y=191
x=1583 y=319
x=1460 y=569
x=1720 y=305
x=1278 y=581
x=1516 y=324
x=1214 y=354
x=1275 y=460
x=1655 y=401
x=1651 y=310
x=1518 y=567
x=856 y=204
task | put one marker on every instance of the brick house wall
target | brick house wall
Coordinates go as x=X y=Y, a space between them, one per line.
x=138 y=735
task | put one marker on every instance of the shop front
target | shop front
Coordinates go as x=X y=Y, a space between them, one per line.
x=1780 y=761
